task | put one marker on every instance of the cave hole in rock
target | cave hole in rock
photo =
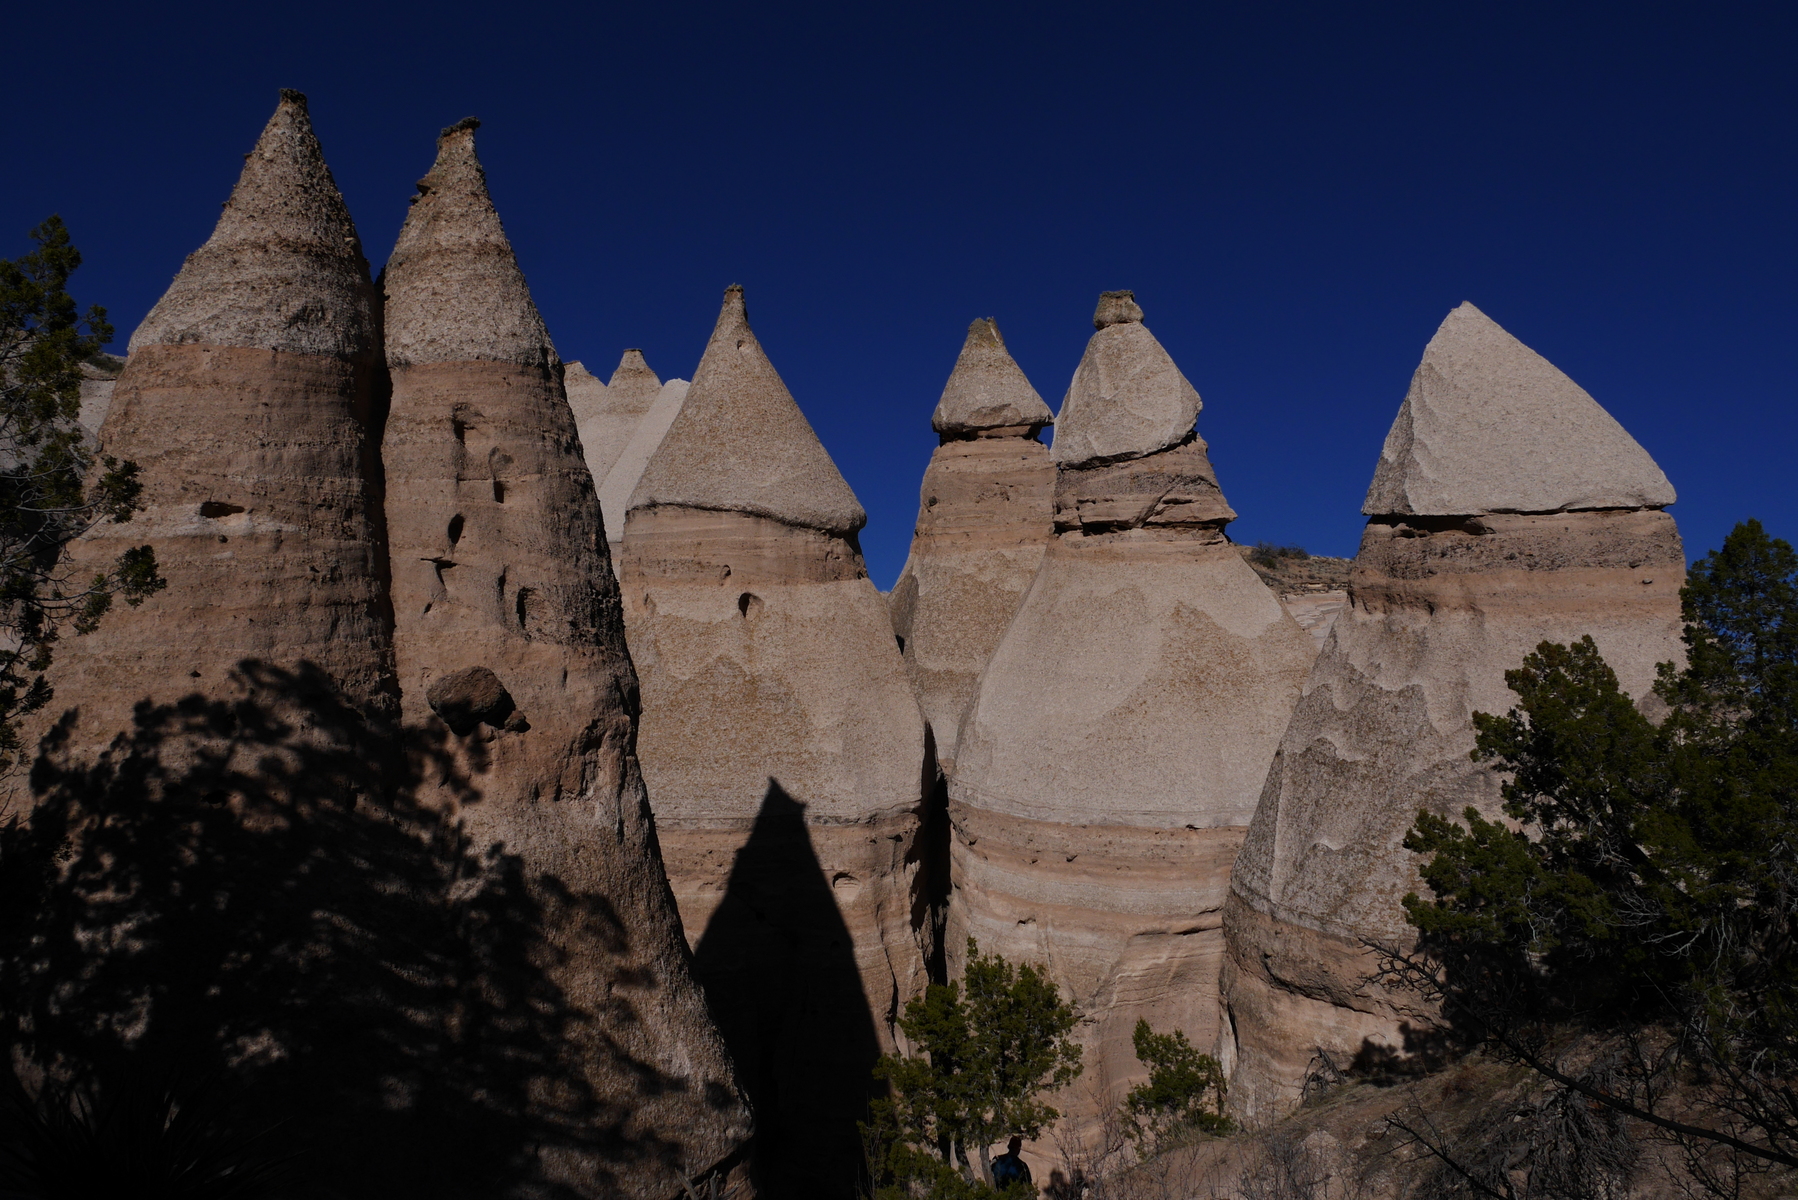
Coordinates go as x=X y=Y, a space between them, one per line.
x=455 y=529
x=748 y=602
x=214 y=509
x=459 y=427
x=527 y=598
x=499 y=491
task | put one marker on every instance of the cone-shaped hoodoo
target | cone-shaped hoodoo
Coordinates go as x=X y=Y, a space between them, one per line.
x=985 y=515
x=1119 y=736
x=607 y=414
x=783 y=749
x=1473 y=555
x=509 y=643
x=221 y=746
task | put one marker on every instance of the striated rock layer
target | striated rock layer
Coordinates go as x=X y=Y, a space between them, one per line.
x=784 y=753
x=1120 y=732
x=1441 y=606
x=508 y=632
x=985 y=515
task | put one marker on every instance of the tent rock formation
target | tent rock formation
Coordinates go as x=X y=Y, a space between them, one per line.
x=1120 y=733
x=1507 y=509
x=783 y=749
x=985 y=515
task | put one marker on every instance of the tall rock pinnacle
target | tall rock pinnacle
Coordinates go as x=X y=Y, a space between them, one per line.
x=509 y=642
x=608 y=417
x=1464 y=568
x=1120 y=732
x=740 y=444
x=784 y=753
x=985 y=515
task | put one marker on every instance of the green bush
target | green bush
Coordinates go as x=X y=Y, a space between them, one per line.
x=1184 y=1094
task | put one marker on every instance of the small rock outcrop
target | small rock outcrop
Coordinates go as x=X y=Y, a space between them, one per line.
x=1117 y=741
x=508 y=631
x=985 y=515
x=1507 y=509
x=784 y=753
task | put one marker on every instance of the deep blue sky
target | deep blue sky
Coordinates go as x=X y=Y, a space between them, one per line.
x=1297 y=192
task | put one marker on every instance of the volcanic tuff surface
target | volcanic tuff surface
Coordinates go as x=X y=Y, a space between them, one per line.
x=985 y=514
x=1120 y=732
x=740 y=444
x=1441 y=608
x=508 y=628
x=1489 y=425
x=784 y=753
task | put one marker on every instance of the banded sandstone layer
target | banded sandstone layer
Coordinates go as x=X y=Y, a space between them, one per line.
x=1508 y=509
x=985 y=515
x=1121 y=731
x=508 y=632
x=784 y=753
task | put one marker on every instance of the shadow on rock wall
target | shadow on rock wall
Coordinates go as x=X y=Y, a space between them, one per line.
x=241 y=892
x=779 y=970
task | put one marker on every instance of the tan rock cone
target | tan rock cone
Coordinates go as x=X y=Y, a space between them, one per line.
x=245 y=402
x=507 y=628
x=784 y=753
x=985 y=515
x=1441 y=606
x=615 y=490
x=1118 y=738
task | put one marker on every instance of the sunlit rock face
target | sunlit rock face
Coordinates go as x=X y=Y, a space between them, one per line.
x=621 y=423
x=784 y=752
x=509 y=638
x=985 y=515
x=1507 y=509
x=1119 y=735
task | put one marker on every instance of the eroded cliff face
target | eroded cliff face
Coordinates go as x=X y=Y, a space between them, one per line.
x=1119 y=735
x=509 y=637
x=1441 y=606
x=784 y=752
x=985 y=515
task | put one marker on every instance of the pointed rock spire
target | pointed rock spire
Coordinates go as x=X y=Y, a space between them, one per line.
x=740 y=443
x=586 y=391
x=1127 y=398
x=475 y=305
x=987 y=390
x=634 y=382
x=622 y=476
x=283 y=269
x=1489 y=425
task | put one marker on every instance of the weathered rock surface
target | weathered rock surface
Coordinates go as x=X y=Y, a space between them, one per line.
x=1128 y=398
x=634 y=455
x=1489 y=425
x=784 y=753
x=1441 y=607
x=984 y=519
x=607 y=414
x=742 y=445
x=506 y=612
x=1119 y=735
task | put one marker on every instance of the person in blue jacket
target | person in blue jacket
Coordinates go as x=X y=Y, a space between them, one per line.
x=1008 y=1168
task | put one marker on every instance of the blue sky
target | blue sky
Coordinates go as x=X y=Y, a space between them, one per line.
x=1297 y=192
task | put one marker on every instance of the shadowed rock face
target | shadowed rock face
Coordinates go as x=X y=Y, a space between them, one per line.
x=501 y=586
x=784 y=753
x=984 y=517
x=1440 y=608
x=1119 y=735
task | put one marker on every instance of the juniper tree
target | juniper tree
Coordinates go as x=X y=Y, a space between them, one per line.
x=52 y=490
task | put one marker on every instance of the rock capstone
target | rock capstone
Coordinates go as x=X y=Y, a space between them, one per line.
x=987 y=390
x=1127 y=399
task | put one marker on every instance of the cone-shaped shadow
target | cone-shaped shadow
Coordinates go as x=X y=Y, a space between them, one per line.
x=779 y=970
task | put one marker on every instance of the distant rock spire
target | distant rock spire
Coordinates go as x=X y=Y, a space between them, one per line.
x=283 y=269
x=987 y=390
x=634 y=382
x=740 y=443
x=1127 y=398
x=476 y=305
x=1489 y=425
